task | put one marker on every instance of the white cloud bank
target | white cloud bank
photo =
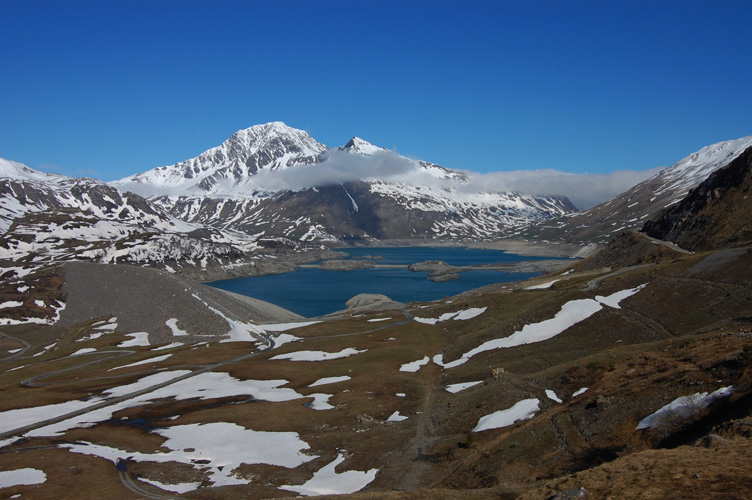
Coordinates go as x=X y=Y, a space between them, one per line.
x=584 y=190
x=339 y=167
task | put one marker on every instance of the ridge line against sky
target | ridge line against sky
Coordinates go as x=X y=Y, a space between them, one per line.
x=110 y=89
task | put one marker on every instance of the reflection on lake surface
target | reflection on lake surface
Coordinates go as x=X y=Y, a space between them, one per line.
x=315 y=292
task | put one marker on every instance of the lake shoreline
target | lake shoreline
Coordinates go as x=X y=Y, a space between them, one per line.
x=524 y=248
x=310 y=291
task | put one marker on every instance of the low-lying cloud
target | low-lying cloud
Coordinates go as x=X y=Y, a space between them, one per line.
x=339 y=167
x=584 y=190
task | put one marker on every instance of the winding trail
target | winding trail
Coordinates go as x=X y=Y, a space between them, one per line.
x=26 y=347
x=594 y=283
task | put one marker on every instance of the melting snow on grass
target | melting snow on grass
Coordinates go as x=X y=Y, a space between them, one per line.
x=569 y=315
x=224 y=445
x=155 y=359
x=541 y=286
x=414 y=366
x=19 y=477
x=86 y=350
x=552 y=396
x=175 y=488
x=11 y=303
x=683 y=407
x=326 y=481
x=579 y=392
x=522 y=410
x=457 y=316
x=455 y=388
x=320 y=402
x=329 y=380
x=239 y=331
x=396 y=417
x=284 y=338
x=137 y=339
x=168 y=346
x=204 y=386
x=317 y=355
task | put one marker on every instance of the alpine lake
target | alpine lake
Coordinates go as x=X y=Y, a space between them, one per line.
x=313 y=292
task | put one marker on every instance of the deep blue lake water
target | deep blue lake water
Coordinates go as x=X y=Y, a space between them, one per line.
x=315 y=292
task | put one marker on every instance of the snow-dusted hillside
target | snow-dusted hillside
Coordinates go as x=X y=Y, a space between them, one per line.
x=276 y=180
x=49 y=218
x=631 y=209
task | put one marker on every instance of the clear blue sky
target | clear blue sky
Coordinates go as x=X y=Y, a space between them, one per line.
x=109 y=88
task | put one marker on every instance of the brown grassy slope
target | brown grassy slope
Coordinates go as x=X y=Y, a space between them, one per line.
x=628 y=249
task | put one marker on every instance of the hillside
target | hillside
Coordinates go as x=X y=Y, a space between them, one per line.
x=643 y=202
x=715 y=215
x=501 y=389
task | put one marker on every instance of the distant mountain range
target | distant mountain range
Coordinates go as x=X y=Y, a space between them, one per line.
x=50 y=218
x=272 y=188
x=276 y=180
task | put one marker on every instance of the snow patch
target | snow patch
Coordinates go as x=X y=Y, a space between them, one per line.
x=552 y=396
x=458 y=316
x=414 y=366
x=21 y=477
x=683 y=407
x=329 y=380
x=522 y=410
x=326 y=481
x=172 y=323
x=396 y=417
x=317 y=355
x=455 y=388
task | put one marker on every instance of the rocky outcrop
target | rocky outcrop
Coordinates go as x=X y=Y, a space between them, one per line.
x=437 y=270
x=372 y=302
x=715 y=215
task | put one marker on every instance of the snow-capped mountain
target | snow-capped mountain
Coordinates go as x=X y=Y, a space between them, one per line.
x=228 y=168
x=275 y=180
x=48 y=218
x=716 y=214
x=24 y=190
x=631 y=209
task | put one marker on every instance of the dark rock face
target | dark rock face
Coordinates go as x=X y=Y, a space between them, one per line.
x=717 y=214
x=353 y=213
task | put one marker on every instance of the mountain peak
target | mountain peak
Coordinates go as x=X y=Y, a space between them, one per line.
x=360 y=146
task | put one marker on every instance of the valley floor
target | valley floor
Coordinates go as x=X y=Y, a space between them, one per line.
x=154 y=387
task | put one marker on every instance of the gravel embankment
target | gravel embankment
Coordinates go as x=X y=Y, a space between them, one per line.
x=145 y=299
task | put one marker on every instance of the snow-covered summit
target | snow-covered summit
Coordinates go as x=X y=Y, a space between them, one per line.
x=359 y=146
x=277 y=180
x=230 y=165
x=20 y=172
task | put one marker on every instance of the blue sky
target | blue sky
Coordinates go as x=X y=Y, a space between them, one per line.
x=111 y=88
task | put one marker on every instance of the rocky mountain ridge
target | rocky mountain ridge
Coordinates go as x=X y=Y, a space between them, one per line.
x=49 y=218
x=276 y=180
x=715 y=214
x=631 y=209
